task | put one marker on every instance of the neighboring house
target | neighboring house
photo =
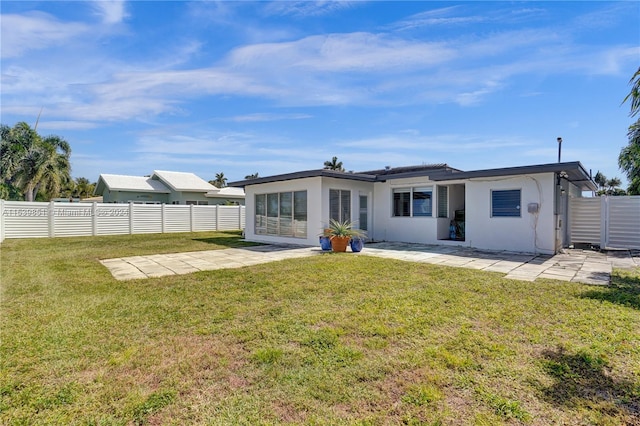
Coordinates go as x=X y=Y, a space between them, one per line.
x=517 y=208
x=165 y=187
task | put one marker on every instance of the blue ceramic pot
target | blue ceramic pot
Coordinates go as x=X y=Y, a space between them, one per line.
x=325 y=243
x=356 y=245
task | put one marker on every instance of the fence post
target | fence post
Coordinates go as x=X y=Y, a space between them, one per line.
x=217 y=217
x=1 y=221
x=604 y=221
x=94 y=219
x=52 y=221
x=240 y=217
x=130 y=217
x=162 y=218
x=191 y=226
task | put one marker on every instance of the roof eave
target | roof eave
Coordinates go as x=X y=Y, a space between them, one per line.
x=303 y=175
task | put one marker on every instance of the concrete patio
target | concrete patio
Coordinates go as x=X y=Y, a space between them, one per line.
x=584 y=266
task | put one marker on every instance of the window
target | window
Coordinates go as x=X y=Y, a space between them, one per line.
x=443 y=201
x=194 y=203
x=422 y=205
x=281 y=213
x=401 y=204
x=339 y=205
x=300 y=214
x=412 y=202
x=363 y=213
x=505 y=203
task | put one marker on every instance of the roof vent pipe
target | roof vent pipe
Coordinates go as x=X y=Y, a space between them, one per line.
x=559 y=148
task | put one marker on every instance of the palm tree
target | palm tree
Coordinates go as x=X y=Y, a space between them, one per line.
x=334 y=164
x=83 y=188
x=14 y=144
x=31 y=162
x=629 y=158
x=612 y=184
x=220 y=181
x=45 y=166
x=601 y=180
x=253 y=176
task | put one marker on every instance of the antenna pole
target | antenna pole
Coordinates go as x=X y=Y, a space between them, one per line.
x=38 y=119
x=559 y=148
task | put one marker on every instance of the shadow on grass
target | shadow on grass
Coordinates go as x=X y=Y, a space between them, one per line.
x=624 y=290
x=231 y=239
x=583 y=380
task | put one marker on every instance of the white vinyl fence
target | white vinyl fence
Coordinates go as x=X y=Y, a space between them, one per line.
x=610 y=222
x=19 y=219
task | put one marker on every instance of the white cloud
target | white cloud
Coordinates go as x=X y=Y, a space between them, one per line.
x=307 y=8
x=444 y=143
x=360 y=68
x=435 y=17
x=351 y=52
x=35 y=31
x=110 y=11
x=261 y=117
x=66 y=125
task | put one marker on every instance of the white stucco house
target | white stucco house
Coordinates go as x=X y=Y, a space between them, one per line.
x=165 y=187
x=516 y=208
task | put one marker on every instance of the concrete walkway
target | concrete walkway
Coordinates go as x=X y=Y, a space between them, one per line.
x=583 y=266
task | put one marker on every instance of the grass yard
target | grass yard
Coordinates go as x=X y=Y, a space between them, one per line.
x=331 y=339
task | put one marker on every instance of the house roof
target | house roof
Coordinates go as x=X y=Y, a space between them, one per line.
x=181 y=181
x=226 y=192
x=305 y=174
x=129 y=183
x=574 y=171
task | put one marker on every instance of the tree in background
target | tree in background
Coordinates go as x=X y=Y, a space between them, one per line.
x=629 y=158
x=608 y=186
x=32 y=163
x=83 y=188
x=601 y=180
x=334 y=164
x=220 y=181
x=253 y=176
x=613 y=187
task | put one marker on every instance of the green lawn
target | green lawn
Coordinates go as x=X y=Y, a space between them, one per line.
x=331 y=339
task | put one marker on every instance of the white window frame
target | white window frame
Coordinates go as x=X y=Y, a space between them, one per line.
x=411 y=191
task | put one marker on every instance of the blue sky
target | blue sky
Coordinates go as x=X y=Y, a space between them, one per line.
x=274 y=87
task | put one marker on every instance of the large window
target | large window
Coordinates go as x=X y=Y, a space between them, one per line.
x=413 y=202
x=505 y=203
x=339 y=205
x=281 y=213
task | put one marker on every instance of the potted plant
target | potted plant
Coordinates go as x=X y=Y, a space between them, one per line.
x=341 y=233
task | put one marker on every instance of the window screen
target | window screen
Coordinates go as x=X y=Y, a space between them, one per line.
x=505 y=203
x=443 y=202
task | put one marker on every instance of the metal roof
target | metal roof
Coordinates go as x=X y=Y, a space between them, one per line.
x=226 y=192
x=575 y=173
x=305 y=174
x=131 y=183
x=180 y=181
